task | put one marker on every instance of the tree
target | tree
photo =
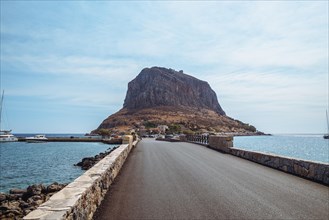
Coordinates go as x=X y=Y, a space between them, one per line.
x=174 y=128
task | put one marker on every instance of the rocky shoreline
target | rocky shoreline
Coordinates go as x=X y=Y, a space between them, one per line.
x=20 y=202
x=88 y=162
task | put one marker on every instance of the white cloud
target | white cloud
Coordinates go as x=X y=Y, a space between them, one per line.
x=75 y=65
x=270 y=56
x=275 y=96
x=78 y=81
x=256 y=34
x=278 y=53
x=271 y=87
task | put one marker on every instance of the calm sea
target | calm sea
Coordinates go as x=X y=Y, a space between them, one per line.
x=50 y=135
x=23 y=164
x=306 y=147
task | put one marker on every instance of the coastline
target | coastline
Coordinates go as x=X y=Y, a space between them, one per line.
x=13 y=204
x=17 y=203
x=80 y=198
x=78 y=139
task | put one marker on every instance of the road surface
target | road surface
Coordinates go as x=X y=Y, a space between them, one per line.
x=162 y=180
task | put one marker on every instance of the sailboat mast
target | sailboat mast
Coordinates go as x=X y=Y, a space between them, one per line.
x=327 y=122
x=3 y=93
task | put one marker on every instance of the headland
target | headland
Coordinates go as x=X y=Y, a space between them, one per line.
x=162 y=100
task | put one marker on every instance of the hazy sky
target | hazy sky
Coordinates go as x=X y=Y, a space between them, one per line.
x=65 y=65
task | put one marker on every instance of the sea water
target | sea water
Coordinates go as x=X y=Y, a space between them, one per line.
x=77 y=135
x=306 y=147
x=23 y=164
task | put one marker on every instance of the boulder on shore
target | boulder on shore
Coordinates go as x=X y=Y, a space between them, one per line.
x=88 y=162
x=20 y=202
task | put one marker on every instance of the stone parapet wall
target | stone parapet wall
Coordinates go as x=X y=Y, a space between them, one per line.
x=222 y=143
x=318 y=172
x=127 y=139
x=80 y=199
x=315 y=171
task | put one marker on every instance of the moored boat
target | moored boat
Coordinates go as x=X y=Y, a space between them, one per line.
x=326 y=136
x=37 y=138
x=5 y=135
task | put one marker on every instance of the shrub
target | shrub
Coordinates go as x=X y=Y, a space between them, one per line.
x=174 y=128
x=149 y=124
x=104 y=132
x=188 y=132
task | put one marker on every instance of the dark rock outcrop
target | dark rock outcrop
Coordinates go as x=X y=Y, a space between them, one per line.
x=88 y=162
x=20 y=202
x=157 y=86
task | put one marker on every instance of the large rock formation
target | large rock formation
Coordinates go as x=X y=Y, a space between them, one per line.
x=160 y=96
x=156 y=86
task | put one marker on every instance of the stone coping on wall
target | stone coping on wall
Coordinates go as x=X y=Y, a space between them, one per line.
x=315 y=171
x=80 y=199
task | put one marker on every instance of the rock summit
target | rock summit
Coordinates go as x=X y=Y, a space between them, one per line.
x=157 y=86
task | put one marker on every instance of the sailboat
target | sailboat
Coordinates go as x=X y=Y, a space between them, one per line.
x=326 y=136
x=5 y=135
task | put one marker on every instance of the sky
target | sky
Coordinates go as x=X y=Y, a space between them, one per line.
x=65 y=66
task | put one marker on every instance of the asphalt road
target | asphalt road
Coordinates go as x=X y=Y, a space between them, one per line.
x=162 y=180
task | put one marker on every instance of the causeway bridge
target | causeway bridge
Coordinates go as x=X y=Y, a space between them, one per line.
x=181 y=180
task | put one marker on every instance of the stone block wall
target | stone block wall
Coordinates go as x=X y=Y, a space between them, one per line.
x=315 y=171
x=222 y=143
x=80 y=199
x=127 y=139
x=318 y=172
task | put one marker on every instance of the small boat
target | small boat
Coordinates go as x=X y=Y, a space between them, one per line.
x=326 y=136
x=5 y=135
x=36 y=139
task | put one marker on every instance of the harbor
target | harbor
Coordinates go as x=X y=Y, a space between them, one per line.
x=63 y=156
x=77 y=139
x=14 y=154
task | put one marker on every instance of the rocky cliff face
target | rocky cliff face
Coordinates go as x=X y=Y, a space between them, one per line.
x=156 y=86
x=160 y=96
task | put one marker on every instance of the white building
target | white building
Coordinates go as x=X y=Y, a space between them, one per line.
x=162 y=128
